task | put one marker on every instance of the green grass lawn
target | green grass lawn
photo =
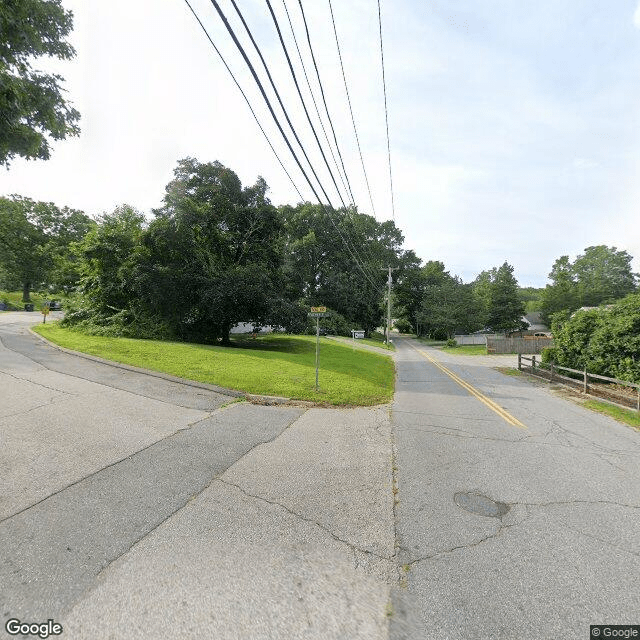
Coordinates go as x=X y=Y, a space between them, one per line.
x=14 y=298
x=628 y=416
x=431 y=343
x=467 y=350
x=273 y=365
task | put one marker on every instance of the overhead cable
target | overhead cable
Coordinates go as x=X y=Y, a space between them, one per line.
x=386 y=114
x=315 y=104
x=353 y=120
x=253 y=113
x=273 y=86
x=304 y=106
x=324 y=99
x=275 y=118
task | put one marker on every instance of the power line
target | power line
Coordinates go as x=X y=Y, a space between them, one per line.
x=304 y=106
x=315 y=104
x=195 y=15
x=386 y=113
x=324 y=100
x=353 y=120
x=275 y=118
x=266 y=68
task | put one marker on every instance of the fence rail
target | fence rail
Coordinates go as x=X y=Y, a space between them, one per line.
x=551 y=371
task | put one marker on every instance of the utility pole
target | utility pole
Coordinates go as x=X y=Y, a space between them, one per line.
x=389 y=299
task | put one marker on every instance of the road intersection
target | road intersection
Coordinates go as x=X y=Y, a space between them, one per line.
x=477 y=505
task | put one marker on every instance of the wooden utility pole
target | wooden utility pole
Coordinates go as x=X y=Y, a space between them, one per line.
x=389 y=299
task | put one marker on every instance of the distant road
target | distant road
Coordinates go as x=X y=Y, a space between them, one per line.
x=518 y=513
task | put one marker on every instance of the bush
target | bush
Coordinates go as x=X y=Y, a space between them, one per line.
x=451 y=343
x=550 y=354
x=605 y=341
x=403 y=326
x=334 y=325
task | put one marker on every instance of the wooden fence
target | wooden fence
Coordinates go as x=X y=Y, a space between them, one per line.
x=530 y=344
x=580 y=380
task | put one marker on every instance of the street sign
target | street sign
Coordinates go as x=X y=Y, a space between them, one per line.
x=317 y=313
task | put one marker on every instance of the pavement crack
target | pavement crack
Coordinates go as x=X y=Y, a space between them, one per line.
x=304 y=518
x=108 y=466
x=554 y=503
x=609 y=544
x=37 y=384
x=52 y=401
x=497 y=533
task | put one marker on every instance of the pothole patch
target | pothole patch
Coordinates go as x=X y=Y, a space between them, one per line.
x=480 y=505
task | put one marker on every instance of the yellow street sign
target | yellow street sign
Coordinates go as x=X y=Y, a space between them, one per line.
x=318 y=309
x=45 y=310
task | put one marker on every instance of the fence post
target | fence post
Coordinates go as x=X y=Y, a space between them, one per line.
x=520 y=364
x=533 y=363
x=551 y=379
x=638 y=400
x=585 y=386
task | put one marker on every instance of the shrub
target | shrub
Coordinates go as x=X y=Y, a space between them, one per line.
x=451 y=343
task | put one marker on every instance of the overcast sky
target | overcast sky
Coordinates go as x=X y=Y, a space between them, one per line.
x=514 y=126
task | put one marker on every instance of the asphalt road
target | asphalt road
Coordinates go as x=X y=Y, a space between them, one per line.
x=136 y=507
x=516 y=525
x=479 y=506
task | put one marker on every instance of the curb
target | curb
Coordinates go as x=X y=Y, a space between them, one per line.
x=249 y=397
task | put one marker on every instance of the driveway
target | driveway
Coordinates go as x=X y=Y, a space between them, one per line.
x=136 y=507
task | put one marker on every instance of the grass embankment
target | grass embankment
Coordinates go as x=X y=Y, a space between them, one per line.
x=272 y=365
x=467 y=350
x=628 y=416
x=14 y=299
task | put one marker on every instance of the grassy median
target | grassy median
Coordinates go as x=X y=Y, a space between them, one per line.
x=274 y=365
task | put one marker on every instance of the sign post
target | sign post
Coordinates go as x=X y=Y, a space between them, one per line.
x=317 y=313
x=45 y=313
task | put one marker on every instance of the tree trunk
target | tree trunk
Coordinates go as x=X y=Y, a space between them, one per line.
x=226 y=329
x=25 y=292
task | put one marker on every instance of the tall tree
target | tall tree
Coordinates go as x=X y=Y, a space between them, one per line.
x=562 y=293
x=603 y=275
x=31 y=102
x=214 y=253
x=505 y=305
x=322 y=270
x=34 y=237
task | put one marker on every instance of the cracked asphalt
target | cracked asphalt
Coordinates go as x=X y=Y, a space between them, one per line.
x=566 y=554
x=137 y=507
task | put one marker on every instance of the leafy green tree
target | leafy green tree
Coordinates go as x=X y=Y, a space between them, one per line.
x=505 y=306
x=321 y=270
x=562 y=294
x=614 y=347
x=604 y=340
x=31 y=102
x=35 y=237
x=482 y=289
x=213 y=253
x=603 y=274
x=110 y=253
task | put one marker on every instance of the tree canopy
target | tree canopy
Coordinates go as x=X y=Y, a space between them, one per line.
x=598 y=276
x=31 y=101
x=36 y=239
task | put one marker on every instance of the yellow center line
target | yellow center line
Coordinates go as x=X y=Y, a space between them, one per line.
x=474 y=392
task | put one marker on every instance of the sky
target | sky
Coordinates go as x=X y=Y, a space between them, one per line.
x=514 y=127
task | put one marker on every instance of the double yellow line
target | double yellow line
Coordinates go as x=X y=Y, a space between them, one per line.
x=474 y=392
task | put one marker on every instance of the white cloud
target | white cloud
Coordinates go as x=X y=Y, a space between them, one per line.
x=636 y=17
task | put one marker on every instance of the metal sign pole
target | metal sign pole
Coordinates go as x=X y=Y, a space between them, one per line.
x=317 y=349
